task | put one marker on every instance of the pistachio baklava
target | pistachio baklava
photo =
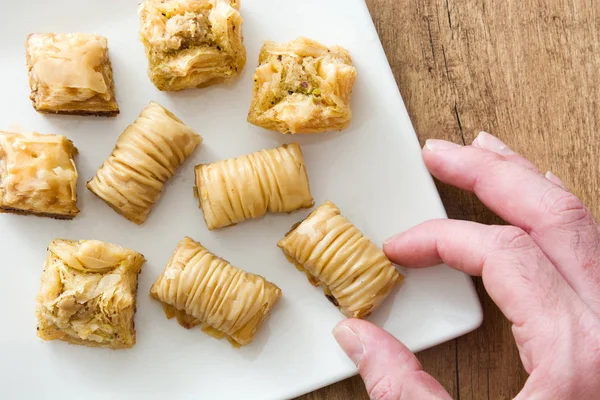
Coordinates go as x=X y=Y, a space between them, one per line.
x=302 y=87
x=192 y=43
x=88 y=294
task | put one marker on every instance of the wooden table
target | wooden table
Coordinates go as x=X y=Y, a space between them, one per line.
x=527 y=71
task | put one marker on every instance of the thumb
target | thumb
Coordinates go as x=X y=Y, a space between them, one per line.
x=390 y=371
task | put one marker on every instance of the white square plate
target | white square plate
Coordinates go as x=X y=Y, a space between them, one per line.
x=373 y=171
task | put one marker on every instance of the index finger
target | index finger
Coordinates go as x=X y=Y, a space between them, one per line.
x=516 y=273
x=555 y=218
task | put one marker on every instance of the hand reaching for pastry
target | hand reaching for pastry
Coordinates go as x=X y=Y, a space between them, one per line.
x=543 y=272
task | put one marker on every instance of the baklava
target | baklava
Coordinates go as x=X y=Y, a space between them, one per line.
x=146 y=155
x=70 y=73
x=200 y=288
x=354 y=273
x=38 y=175
x=192 y=43
x=88 y=294
x=302 y=87
x=231 y=191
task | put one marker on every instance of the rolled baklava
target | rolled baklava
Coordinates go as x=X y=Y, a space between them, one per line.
x=146 y=155
x=234 y=190
x=302 y=87
x=192 y=43
x=70 y=73
x=38 y=175
x=87 y=295
x=203 y=289
x=355 y=273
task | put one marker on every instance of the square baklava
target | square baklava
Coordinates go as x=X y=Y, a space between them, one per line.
x=192 y=43
x=38 y=175
x=302 y=87
x=70 y=73
x=88 y=294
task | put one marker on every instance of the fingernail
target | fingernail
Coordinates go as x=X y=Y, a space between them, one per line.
x=349 y=342
x=390 y=239
x=492 y=143
x=439 y=145
x=555 y=179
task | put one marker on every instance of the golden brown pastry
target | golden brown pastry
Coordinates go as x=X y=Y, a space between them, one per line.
x=38 y=175
x=70 y=73
x=234 y=190
x=146 y=155
x=355 y=273
x=192 y=43
x=201 y=288
x=302 y=87
x=87 y=295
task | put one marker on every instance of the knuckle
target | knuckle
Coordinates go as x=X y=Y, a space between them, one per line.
x=510 y=238
x=382 y=389
x=565 y=207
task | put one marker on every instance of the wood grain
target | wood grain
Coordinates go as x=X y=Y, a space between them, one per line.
x=524 y=70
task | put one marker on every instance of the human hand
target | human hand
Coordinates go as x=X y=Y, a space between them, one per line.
x=543 y=272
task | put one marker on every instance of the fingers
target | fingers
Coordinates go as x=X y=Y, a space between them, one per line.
x=516 y=273
x=390 y=371
x=555 y=218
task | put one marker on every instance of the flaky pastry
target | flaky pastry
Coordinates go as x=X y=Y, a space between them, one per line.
x=146 y=155
x=87 y=294
x=70 y=73
x=192 y=43
x=302 y=87
x=234 y=190
x=355 y=273
x=38 y=175
x=200 y=288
